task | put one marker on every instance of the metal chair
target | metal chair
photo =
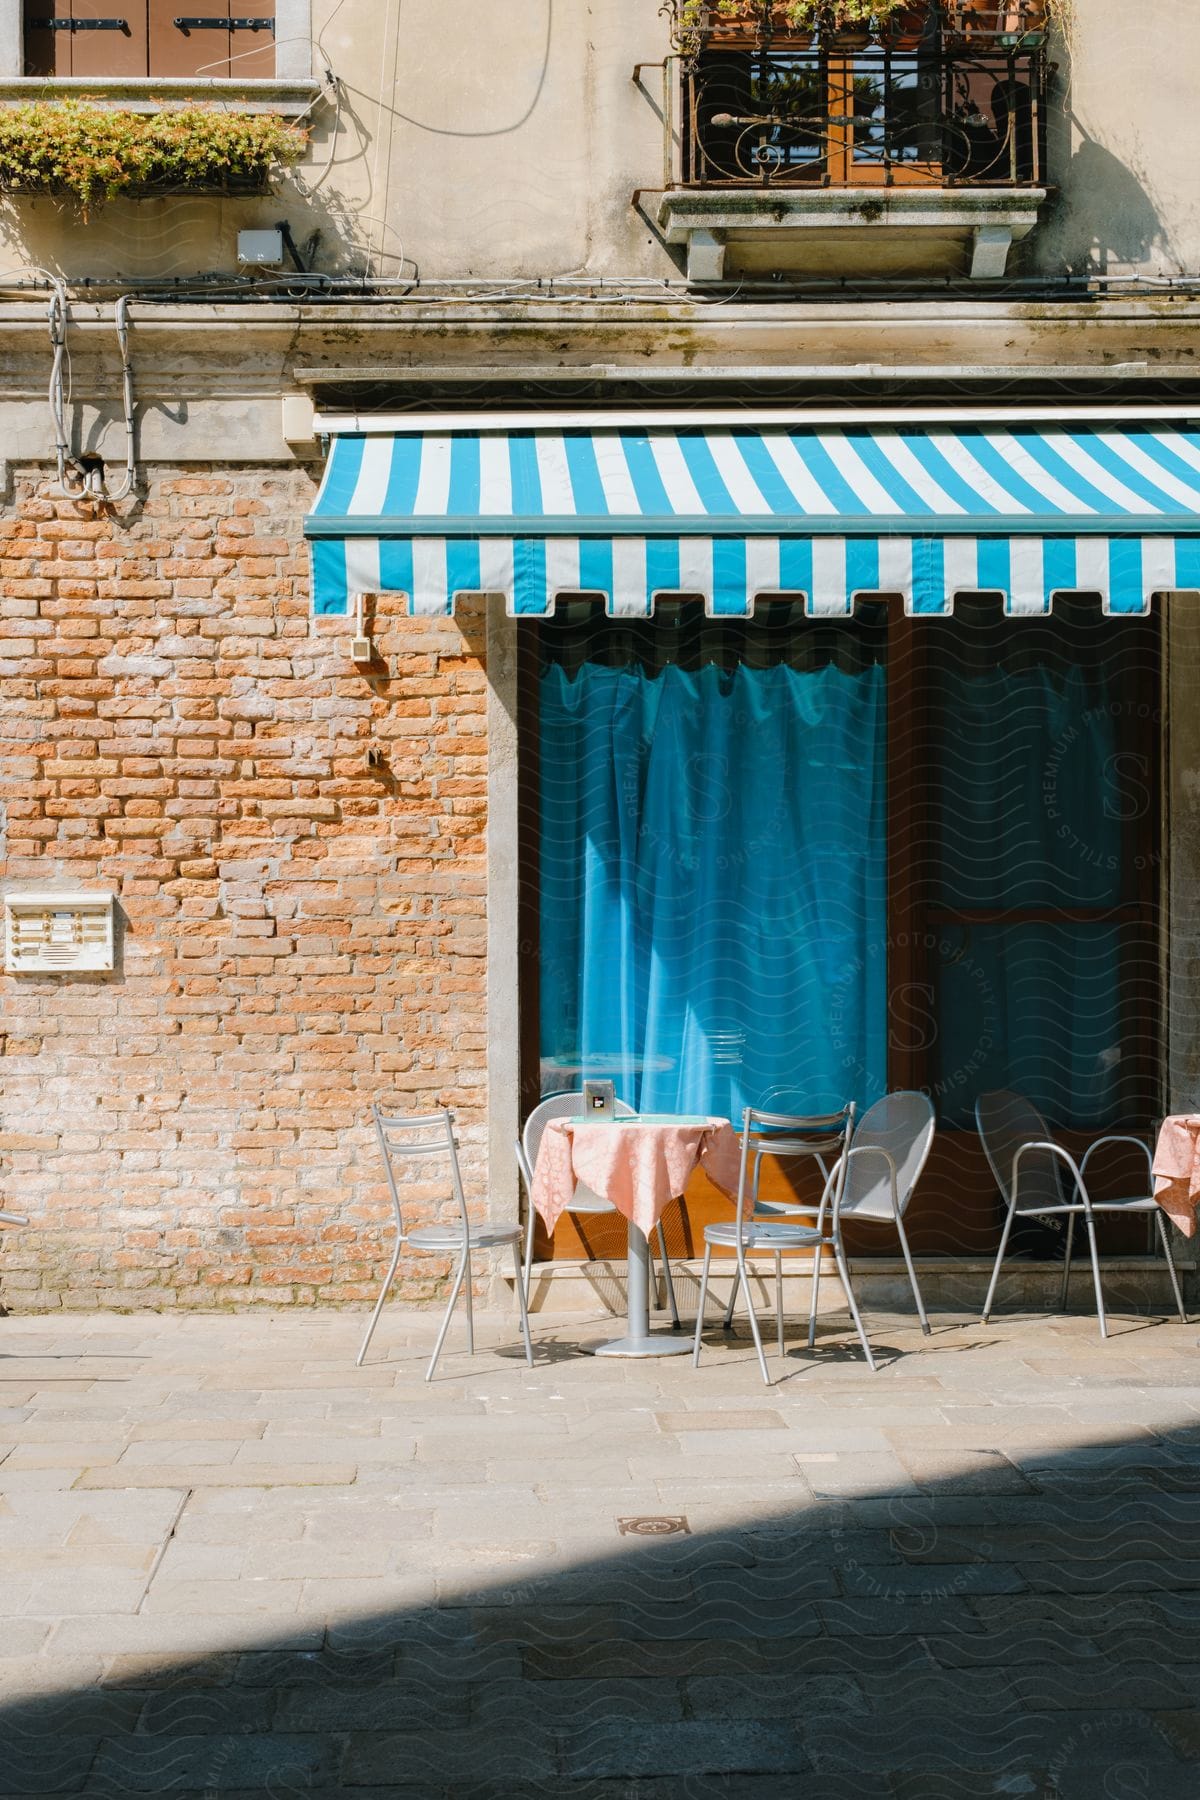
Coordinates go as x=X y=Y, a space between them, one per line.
x=7 y=1218
x=436 y=1138
x=826 y=1137
x=584 y=1201
x=1028 y=1166
x=888 y=1153
x=886 y=1159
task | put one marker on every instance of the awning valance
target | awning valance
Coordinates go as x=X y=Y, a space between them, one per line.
x=731 y=515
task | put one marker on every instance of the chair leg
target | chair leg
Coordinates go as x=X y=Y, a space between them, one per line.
x=464 y=1268
x=667 y=1281
x=383 y=1294
x=1091 y=1231
x=844 y=1277
x=1165 y=1235
x=727 y=1320
x=912 y=1274
x=528 y=1252
x=818 y=1254
x=1067 y=1265
x=470 y=1308
x=991 y=1293
x=700 y=1306
x=523 y=1303
x=755 y=1332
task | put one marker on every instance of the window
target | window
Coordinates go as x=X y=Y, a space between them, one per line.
x=790 y=861
x=127 y=39
x=1032 y=864
x=844 y=117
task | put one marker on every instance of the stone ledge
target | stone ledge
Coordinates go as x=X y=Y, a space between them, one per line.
x=142 y=94
x=833 y=230
x=879 y=1282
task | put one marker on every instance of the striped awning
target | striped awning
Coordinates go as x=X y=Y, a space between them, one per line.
x=733 y=515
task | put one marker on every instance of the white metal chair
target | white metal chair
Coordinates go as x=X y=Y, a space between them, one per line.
x=584 y=1201
x=435 y=1138
x=1028 y=1166
x=826 y=1137
x=7 y=1218
x=888 y=1153
x=886 y=1159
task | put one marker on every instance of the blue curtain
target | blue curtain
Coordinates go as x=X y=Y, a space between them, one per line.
x=713 y=885
x=1033 y=797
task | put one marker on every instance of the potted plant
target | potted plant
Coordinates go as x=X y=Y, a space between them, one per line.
x=701 y=23
x=1006 y=24
x=851 y=23
x=908 y=27
x=88 y=153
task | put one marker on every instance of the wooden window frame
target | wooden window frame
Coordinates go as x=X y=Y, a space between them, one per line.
x=293 y=66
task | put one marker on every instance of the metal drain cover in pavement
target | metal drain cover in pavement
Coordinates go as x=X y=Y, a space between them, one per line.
x=654 y=1525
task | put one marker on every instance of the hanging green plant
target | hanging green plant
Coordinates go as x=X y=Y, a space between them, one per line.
x=91 y=153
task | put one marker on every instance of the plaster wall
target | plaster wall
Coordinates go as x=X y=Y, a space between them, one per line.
x=484 y=141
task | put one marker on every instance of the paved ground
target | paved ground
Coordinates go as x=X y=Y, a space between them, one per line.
x=233 y=1565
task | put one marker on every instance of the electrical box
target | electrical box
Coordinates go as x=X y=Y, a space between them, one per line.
x=362 y=650
x=58 y=933
x=262 y=248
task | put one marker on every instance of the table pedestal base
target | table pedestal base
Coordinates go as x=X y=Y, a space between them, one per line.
x=639 y=1340
x=655 y=1343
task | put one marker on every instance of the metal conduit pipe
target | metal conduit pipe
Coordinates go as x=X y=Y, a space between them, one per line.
x=553 y=290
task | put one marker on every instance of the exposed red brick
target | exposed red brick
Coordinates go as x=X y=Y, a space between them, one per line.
x=301 y=933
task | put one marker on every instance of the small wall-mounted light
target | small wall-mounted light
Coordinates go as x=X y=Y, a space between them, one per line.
x=362 y=650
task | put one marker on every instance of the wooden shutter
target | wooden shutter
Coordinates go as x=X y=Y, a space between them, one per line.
x=252 y=47
x=199 y=46
x=115 y=44
x=47 y=52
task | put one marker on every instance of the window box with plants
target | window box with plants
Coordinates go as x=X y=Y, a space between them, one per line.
x=851 y=24
x=80 y=151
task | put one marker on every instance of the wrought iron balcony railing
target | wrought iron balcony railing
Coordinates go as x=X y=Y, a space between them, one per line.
x=836 y=115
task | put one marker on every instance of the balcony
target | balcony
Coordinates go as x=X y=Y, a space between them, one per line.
x=905 y=155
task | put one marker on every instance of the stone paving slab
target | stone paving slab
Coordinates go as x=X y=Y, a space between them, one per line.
x=234 y=1565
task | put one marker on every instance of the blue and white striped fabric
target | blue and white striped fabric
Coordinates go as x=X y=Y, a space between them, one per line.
x=731 y=515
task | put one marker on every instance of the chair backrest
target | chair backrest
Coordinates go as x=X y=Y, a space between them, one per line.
x=1006 y=1121
x=558 y=1106
x=403 y=1139
x=903 y=1124
x=823 y=1136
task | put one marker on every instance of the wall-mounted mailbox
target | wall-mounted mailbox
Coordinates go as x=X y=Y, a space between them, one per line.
x=58 y=933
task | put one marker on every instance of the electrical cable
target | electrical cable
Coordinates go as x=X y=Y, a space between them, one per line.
x=88 y=482
x=382 y=112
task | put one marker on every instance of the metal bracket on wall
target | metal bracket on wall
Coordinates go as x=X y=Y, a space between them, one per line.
x=81 y=25
x=210 y=24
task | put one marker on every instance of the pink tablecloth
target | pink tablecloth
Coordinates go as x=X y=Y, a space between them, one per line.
x=640 y=1166
x=1177 y=1170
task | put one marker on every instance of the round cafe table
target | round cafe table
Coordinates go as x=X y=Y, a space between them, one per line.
x=639 y=1165
x=1176 y=1170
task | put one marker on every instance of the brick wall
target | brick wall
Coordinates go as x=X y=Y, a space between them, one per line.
x=297 y=848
